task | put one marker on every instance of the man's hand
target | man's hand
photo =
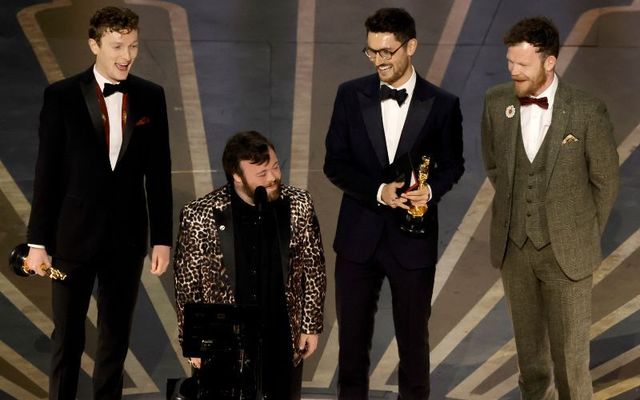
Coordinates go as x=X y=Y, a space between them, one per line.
x=390 y=198
x=194 y=362
x=160 y=259
x=307 y=345
x=418 y=197
x=38 y=260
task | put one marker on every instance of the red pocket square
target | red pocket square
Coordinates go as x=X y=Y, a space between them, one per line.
x=143 y=121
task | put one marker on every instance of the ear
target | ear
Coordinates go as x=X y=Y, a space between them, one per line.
x=237 y=178
x=550 y=63
x=412 y=46
x=94 y=46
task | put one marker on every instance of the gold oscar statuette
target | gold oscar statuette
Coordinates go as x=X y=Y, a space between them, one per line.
x=413 y=222
x=18 y=262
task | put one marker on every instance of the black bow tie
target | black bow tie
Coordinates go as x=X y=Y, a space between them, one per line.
x=541 y=102
x=388 y=93
x=110 y=89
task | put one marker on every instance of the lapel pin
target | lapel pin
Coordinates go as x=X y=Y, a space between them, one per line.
x=510 y=111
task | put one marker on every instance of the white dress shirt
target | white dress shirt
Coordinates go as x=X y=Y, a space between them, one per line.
x=394 y=116
x=114 y=109
x=535 y=121
x=393 y=119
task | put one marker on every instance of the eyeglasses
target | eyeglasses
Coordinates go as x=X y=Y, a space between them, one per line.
x=385 y=54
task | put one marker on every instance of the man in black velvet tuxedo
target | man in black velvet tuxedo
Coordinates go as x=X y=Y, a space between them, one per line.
x=381 y=126
x=103 y=177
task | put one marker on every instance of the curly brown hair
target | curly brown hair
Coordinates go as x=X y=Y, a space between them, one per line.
x=245 y=146
x=112 y=19
x=538 y=31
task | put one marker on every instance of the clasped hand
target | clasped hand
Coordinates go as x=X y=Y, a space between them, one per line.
x=417 y=197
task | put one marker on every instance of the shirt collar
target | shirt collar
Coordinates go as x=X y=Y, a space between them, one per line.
x=100 y=78
x=408 y=85
x=550 y=92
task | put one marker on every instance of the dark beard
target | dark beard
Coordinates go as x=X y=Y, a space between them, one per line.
x=271 y=196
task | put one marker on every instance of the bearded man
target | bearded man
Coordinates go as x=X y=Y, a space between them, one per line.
x=550 y=154
x=234 y=248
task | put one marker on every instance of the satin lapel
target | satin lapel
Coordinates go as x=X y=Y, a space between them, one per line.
x=88 y=87
x=558 y=127
x=224 y=222
x=372 y=115
x=129 y=119
x=283 y=216
x=419 y=109
x=512 y=127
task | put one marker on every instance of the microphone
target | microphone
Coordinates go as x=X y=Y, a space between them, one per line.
x=260 y=198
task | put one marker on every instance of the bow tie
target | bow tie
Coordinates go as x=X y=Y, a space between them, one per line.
x=110 y=89
x=540 y=102
x=388 y=93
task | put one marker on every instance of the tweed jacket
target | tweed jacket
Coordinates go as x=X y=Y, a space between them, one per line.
x=203 y=275
x=581 y=167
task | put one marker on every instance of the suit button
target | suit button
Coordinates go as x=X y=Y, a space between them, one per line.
x=528 y=214
x=529 y=201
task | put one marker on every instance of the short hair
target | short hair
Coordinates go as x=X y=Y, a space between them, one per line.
x=112 y=19
x=539 y=32
x=394 y=20
x=245 y=146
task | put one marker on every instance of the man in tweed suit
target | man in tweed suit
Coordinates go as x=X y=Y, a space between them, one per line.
x=550 y=154
x=220 y=258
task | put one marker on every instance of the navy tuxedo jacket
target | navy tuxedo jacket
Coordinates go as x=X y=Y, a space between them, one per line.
x=80 y=206
x=357 y=162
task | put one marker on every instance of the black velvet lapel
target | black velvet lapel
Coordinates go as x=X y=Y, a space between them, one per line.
x=131 y=116
x=88 y=87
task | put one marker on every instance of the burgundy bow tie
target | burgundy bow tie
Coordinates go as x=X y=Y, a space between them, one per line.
x=540 y=102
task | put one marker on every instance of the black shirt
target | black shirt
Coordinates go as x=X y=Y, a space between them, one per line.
x=259 y=280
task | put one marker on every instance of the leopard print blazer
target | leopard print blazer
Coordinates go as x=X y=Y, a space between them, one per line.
x=201 y=277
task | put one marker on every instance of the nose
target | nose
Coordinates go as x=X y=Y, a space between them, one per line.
x=271 y=177
x=513 y=69
x=378 y=60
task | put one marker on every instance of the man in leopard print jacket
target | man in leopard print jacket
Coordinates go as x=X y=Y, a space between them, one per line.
x=214 y=262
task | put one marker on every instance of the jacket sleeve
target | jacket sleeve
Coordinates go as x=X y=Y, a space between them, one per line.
x=603 y=163
x=450 y=161
x=340 y=163
x=314 y=274
x=158 y=177
x=48 y=184
x=188 y=264
x=488 y=155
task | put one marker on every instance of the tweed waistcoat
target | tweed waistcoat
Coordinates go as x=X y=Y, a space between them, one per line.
x=528 y=213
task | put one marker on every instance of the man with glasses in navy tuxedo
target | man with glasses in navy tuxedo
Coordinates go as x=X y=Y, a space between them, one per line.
x=382 y=126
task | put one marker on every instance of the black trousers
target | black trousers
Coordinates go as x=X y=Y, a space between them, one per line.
x=118 y=280
x=357 y=293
